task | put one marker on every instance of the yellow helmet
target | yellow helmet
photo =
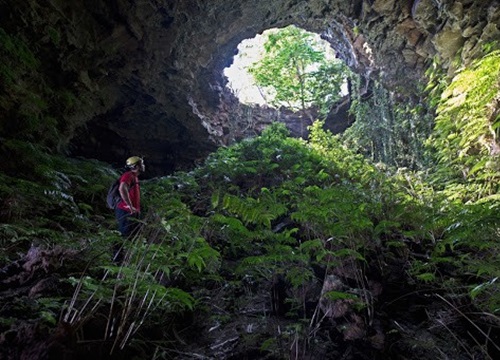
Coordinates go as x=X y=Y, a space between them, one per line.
x=134 y=160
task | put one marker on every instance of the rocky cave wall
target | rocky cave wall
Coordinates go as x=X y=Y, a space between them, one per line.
x=147 y=75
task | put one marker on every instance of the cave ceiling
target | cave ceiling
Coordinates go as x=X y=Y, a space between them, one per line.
x=149 y=73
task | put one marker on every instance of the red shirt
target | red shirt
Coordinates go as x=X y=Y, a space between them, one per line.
x=134 y=191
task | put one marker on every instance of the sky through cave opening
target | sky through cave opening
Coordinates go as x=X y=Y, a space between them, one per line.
x=245 y=85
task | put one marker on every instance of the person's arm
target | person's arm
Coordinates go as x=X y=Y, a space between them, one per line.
x=124 y=193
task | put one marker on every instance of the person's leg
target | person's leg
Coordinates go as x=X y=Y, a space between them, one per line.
x=134 y=225
x=122 y=217
x=124 y=227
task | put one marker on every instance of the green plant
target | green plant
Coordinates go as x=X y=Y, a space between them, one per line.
x=464 y=140
x=295 y=72
x=386 y=129
x=129 y=293
x=54 y=34
x=309 y=240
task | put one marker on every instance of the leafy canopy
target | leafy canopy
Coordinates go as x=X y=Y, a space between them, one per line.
x=296 y=71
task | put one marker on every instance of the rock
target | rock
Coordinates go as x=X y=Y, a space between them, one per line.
x=146 y=77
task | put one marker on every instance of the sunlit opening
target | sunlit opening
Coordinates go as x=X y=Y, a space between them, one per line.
x=250 y=51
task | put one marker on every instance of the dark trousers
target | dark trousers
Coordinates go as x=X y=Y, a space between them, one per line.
x=126 y=224
x=127 y=227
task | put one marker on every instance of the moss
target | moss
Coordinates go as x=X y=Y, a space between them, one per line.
x=466 y=130
x=17 y=51
x=55 y=36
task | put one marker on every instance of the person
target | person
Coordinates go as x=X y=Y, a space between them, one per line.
x=129 y=206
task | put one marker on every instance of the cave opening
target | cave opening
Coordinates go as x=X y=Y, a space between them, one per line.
x=288 y=68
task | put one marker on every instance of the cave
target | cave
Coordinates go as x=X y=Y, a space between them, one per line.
x=146 y=77
x=93 y=82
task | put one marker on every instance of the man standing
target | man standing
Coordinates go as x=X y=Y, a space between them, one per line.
x=130 y=192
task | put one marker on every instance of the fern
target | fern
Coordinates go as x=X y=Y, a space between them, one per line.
x=465 y=126
x=260 y=211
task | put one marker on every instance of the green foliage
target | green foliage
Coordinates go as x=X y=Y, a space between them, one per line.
x=18 y=63
x=18 y=54
x=32 y=108
x=267 y=212
x=260 y=211
x=386 y=129
x=50 y=207
x=437 y=81
x=333 y=212
x=54 y=34
x=169 y=250
x=338 y=295
x=464 y=140
x=296 y=72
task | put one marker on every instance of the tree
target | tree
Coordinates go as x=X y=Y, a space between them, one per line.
x=295 y=72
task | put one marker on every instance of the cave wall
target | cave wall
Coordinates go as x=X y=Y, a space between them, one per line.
x=146 y=76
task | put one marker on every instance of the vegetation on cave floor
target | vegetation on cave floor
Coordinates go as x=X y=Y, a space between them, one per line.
x=274 y=248
x=306 y=243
